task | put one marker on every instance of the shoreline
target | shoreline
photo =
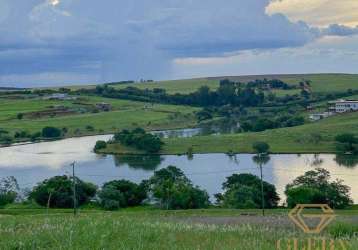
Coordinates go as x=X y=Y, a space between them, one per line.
x=182 y=153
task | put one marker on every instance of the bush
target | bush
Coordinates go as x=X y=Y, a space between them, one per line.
x=20 y=116
x=89 y=128
x=173 y=190
x=139 y=139
x=244 y=191
x=315 y=187
x=35 y=136
x=6 y=140
x=304 y=195
x=22 y=134
x=51 y=132
x=8 y=190
x=100 y=145
x=58 y=191
x=120 y=194
x=348 y=141
x=261 y=147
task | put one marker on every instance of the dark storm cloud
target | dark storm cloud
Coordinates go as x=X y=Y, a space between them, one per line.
x=128 y=39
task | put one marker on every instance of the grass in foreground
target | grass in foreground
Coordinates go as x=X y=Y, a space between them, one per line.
x=193 y=229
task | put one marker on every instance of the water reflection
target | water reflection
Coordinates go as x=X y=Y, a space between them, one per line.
x=52 y=155
x=213 y=128
x=317 y=161
x=349 y=161
x=34 y=163
x=145 y=162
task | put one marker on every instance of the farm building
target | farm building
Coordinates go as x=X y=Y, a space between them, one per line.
x=319 y=116
x=343 y=106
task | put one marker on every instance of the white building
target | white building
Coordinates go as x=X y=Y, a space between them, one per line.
x=342 y=106
x=319 y=116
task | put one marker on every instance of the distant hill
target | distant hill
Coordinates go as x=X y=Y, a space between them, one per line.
x=325 y=82
x=11 y=89
x=319 y=82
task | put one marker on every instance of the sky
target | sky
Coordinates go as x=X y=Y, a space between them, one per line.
x=64 y=42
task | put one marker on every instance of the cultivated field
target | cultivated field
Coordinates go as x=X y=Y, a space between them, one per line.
x=125 y=114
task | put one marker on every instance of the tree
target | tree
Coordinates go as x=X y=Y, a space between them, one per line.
x=304 y=195
x=261 y=158
x=100 y=145
x=261 y=147
x=20 y=116
x=204 y=96
x=51 y=132
x=348 y=140
x=315 y=186
x=203 y=114
x=9 y=189
x=60 y=188
x=243 y=191
x=139 y=139
x=173 y=190
x=120 y=194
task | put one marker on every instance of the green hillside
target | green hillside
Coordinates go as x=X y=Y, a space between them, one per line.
x=125 y=114
x=320 y=82
x=310 y=138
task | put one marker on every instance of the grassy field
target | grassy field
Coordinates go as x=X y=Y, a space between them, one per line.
x=125 y=114
x=299 y=139
x=320 y=82
x=154 y=229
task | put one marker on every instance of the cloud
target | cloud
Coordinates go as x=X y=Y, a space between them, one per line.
x=317 y=12
x=339 y=30
x=324 y=55
x=127 y=39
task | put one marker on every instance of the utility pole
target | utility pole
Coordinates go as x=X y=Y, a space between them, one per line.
x=262 y=192
x=74 y=189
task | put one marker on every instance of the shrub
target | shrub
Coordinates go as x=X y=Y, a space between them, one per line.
x=304 y=195
x=261 y=147
x=20 y=116
x=6 y=140
x=22 y=134
x=348 y=141
x=139 y=139
x=315 y=187
x=244 y=191
x=58 y=192
x=173 y=190
x=8 y=190
x=90 y=128
x=35 y=136
x=51 y=132
x=100 y=145
x=120 y=194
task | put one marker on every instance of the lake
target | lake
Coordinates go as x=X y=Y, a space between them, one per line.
x=33 y=163
x=223 y=126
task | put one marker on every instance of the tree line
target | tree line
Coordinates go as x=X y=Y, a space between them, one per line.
x=137 y=138
x=170 y=188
